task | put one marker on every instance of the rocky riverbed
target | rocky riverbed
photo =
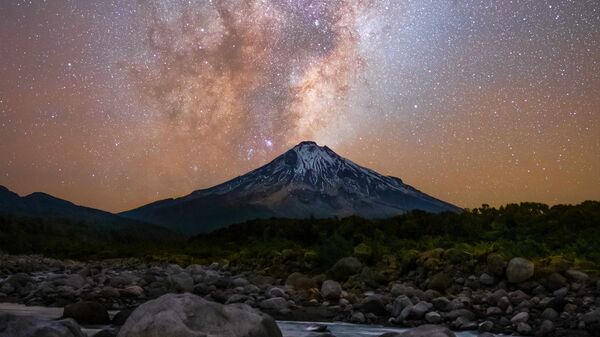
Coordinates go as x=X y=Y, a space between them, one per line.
x=488 y=297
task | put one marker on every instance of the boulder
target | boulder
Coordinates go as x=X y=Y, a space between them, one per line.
x=521 y=317
x=496 y=264
x=345 y=268
x=440 y=282
x=399 y=304
x=487 y=279
x=433 y=317
x=27 y=326
x=121 y=317
x=75 y=281
x=373 y=305
x=188 y=315
x=331 y=290
x=577 y=276
x=182 y=282
x=556 y=281
x=274 y=304
x=519 y=270
x=300 y=281
x=87 y=313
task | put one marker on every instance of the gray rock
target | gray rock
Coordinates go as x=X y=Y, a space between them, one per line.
x=592 y=317
x=331 y=290
x=556 y=281
x=561 y=293
x=75 y=281
x=357 y=317
x=433 y=317
x=182 y=281
x=441 y=303
x=487 y=279
x=373 y=305
x=134 y=291
x=520 y=317
x=276 y=292
x=524 y=328
x=486 y=326
x=549 y=314
x=493 y=311
x=546 y=328
x=519 y=270
x=274 y=304
x=577 y=276
x=418 y=310
x=399 y=304
x=27 y=326
x=187 y=315
x=345 y=268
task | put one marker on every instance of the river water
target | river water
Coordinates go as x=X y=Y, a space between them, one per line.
x=289 y=329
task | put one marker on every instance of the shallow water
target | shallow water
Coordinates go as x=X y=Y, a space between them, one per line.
x=299 y=329
x=289 y=329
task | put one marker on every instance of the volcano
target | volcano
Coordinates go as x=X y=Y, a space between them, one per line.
x=306 y=181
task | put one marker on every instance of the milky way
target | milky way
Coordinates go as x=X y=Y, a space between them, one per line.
x=118 y=103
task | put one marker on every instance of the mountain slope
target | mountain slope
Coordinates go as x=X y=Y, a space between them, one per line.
x=44 y=206
x=306 y=181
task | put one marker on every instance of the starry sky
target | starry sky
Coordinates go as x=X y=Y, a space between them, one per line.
x=113 y=104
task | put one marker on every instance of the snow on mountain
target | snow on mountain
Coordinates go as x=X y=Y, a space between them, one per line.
x=308 y=180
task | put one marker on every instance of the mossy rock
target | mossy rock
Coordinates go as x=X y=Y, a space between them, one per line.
x=440 y=282
x=300 y=281
x=345 y=268
x=363 y=252
x=455 y=256
x=431 y=254
x=496 y=264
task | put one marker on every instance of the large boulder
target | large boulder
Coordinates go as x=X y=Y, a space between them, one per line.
x=26 y=326
x=299 y=281
x=519 y=270
x=331 y=290
x=87 y=313
x=345 y=268
x=188 y=315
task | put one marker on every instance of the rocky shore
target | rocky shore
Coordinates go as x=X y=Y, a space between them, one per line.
x=445 y=288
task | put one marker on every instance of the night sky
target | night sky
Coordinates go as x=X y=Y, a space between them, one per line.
x=113 y=104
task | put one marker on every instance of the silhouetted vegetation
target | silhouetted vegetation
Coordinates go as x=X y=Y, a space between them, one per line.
x=530 y=230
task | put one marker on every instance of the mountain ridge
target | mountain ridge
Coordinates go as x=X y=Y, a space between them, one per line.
x=306 y=181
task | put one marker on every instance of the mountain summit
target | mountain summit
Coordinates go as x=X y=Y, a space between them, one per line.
x=306 y=181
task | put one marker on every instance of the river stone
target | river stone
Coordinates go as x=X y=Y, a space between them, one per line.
x=188 y=315
x=275 y=304
x=373 y=305
x=331 y=290
x=182 y=282
x=496 y=264
x=345 y=268
x=440 y=282
x=87 y=313
x=300 y=281
x=75 y=281
x=519 y=270
x=26 y=326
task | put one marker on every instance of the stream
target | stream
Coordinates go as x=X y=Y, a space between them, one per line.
x=289 y=329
